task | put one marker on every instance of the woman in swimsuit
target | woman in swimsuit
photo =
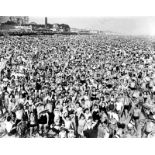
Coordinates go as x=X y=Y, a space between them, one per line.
x=81 y=124
x=43 y=118
x=33 y=122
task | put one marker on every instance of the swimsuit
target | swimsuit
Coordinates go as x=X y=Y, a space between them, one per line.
x=42 y=119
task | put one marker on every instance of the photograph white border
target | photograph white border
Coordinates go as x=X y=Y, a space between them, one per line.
x=77 y=8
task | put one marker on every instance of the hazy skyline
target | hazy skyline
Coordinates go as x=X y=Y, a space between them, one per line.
x=125 y=25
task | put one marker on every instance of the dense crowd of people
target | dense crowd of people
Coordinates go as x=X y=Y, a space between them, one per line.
x=77 y=86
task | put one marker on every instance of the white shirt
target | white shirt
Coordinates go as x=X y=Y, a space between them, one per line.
x=8 y=126
x=19 y=114
x=113 y=115
x=79 y=111
x=68 y=124
x=119 y=105
x=87 y=104
x=49 y=107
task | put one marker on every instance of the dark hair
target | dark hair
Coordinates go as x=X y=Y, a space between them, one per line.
x=78 y=103
x=82 y=115
x=86 y=110
x=90 y=117
x=9 y=118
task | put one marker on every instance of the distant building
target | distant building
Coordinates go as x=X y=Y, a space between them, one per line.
x=46 y=22
x=24 y=28
x=82 y=31
x=20 y=20
x=94 y=31
x=64 y=28
x=61 y=30
x=55 y=27
x=26 y=19
x=4 y=19
x=33 y=23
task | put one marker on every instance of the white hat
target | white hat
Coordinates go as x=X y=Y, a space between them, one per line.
x=130 y=126
x=5 y=79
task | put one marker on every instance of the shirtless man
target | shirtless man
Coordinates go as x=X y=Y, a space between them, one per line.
x=43 y=118
x=49 y=108
x=136 y=115
x=19 y=114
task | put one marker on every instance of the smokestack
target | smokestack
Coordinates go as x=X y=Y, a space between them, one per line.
x=45 y=22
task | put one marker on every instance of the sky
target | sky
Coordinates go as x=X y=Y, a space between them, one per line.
x=124 y=25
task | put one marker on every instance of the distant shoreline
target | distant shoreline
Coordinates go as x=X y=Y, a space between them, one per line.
x=13 y=33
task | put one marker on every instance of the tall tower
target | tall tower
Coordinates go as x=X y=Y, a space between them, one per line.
x=45 y=22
